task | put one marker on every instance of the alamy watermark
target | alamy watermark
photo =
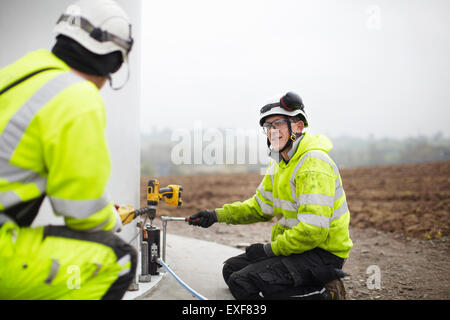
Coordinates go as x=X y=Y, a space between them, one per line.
x=374 y=279
x=74 y=279
x=212 y=146
x=373 y=20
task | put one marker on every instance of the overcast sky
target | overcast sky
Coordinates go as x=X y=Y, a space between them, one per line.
x=362 y=67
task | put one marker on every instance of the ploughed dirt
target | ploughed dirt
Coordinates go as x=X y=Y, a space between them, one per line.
x=400 y=225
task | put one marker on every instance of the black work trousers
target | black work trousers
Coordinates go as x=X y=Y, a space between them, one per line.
x=298 y=276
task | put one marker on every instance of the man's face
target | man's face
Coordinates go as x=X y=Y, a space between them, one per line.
x=278 y=132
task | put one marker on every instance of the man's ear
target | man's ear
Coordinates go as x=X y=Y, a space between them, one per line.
x=298 y=126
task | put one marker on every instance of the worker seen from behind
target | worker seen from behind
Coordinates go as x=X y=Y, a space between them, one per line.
x=52 y=144
x=303 y=190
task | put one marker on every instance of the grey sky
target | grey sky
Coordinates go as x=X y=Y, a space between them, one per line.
x=361 y=67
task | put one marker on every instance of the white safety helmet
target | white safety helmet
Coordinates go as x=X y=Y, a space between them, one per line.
x=290 y=105
x=101 y=26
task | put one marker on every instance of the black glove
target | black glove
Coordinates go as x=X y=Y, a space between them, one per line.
x=258 y=251
x=204 y=218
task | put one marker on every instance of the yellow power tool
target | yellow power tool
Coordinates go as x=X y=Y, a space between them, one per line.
x=171 y=195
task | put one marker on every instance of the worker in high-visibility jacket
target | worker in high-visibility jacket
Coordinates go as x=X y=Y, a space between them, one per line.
x=303 y=190
x=52 y=144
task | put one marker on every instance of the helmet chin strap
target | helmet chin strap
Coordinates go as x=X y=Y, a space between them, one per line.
x=124 y=83
x=292 y=138
x=288 y=144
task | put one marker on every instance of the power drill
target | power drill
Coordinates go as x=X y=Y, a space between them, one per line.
x=150 y=234
x=171 y=195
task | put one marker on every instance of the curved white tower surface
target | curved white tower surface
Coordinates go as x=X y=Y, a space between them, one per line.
x=28 y=30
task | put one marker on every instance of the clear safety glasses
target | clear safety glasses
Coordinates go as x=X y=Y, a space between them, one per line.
x=280 y=124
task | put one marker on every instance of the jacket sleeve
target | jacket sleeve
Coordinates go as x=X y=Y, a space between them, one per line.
x=258 y=208
x=78 y=164
x=315 y=194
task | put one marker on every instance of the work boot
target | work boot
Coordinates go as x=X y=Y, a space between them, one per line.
x=335 y=289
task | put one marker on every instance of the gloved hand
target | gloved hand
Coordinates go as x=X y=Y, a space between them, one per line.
x=204 y=218
x=258 y=251
x=126 y=213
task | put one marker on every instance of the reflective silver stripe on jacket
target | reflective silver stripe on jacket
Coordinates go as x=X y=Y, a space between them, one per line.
x=100 y=226
x=122 y=262
x=312 y=219
x=13 y=132
x=277 y=203
x=316 y=154
x=318 y=198
x=308 y=198
x=268 y=195
x=289 y=223
x=339 y=212
x=338 y=193
x=265 y=208
x=343 y=208
x=9 y=199
x=78 y=208
x=315 y=198
x=285 y=205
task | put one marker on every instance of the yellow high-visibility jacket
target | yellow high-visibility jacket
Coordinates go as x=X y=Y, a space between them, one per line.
x=306 y=195
x=52 y=142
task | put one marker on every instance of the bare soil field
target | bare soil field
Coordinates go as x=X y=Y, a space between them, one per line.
x=400 y=225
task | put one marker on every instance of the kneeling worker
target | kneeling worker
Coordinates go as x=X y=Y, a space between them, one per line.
x=52 y=143
x=303 y=190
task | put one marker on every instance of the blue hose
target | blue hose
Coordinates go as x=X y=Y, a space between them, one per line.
x=199 y=296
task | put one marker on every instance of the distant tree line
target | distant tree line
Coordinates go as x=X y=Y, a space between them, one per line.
x=348 y=152
x=358 y=152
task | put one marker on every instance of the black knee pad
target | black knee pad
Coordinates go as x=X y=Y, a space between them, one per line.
x=227 y=270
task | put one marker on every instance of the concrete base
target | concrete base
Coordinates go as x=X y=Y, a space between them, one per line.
x=198 y=263
x=144 y=288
